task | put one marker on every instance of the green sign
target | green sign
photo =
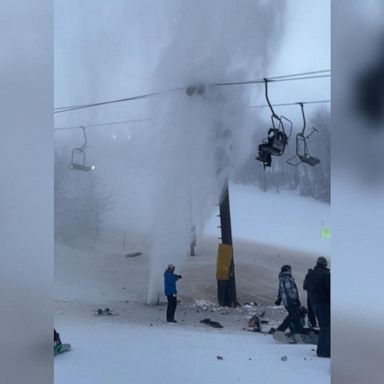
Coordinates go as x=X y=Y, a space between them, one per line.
x=326 y=233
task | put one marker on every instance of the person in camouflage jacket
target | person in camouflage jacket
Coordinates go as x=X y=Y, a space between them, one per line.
x=289 y=295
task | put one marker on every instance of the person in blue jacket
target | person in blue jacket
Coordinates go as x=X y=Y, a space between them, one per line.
x=170 y=291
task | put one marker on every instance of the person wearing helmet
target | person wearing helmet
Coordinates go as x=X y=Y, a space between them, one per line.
x=170 y=291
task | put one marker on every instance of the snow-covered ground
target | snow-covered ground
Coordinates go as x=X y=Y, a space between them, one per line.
x=138 y=346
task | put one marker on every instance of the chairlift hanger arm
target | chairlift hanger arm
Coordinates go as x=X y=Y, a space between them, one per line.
x=304 y=121
x=269 y=103
x=85 y=138
x=290 y=125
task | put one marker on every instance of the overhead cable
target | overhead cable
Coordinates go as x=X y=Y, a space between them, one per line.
x=272 y=80
x=286 y=104
x=76 y=107
x=300 y=74
x=101 y=124
x=297 y=76
x=149 y=119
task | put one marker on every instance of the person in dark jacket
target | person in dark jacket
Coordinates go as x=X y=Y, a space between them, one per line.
x=170 y=291
x=289 y=295
x=308 y=286
x=56 y=342
x=321 y=301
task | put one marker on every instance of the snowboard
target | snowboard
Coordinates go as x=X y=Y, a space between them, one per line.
x=298 y=338
x=61 y=348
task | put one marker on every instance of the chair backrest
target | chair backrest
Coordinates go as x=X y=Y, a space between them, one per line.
x=78 y=157
x=278 y=143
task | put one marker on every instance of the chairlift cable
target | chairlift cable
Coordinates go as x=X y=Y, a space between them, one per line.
x=260 y=81
x=76 y=107
x=300 y=74
x=148 y=119
x=301 y=78
x=287 y=104
x=100 y=124
x=297 y=76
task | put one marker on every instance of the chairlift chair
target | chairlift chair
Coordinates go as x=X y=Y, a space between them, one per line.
x=78 y=158
x=277 y=138
x=302 y=155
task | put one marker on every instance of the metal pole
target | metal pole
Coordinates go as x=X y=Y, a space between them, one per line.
x=227 y=288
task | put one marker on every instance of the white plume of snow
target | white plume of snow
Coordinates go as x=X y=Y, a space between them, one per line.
x=197 y=138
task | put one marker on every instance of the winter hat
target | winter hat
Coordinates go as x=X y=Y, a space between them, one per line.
x=171 y=266
x=321 y=262
x=286 y=268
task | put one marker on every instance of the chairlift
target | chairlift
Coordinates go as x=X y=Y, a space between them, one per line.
x=198 y=89
x=302 y=155
x=277 y=138
x=78 y=158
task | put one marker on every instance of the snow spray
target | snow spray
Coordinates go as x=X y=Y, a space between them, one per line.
x=200 y=132
x=180 y=161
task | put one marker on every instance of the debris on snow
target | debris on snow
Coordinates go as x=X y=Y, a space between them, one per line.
x=134 y=254
x=204 y=304
x=211 y=323
x=104 y=312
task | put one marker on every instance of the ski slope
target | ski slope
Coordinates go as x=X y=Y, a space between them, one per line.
x=282 y=219
x=138 y=346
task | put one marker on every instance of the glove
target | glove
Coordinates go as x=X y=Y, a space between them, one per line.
x=179 y=276
x=278 y=302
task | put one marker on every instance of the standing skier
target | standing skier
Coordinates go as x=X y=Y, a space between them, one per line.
x=289 y=295
x=170 y=291
x=308 y=286
x=321 y=301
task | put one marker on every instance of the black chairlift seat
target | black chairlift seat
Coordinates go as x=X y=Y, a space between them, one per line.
x=302 y=151
x=302 y=155
x=278 y=142
x=302 y=147
x=277 y=139
x=78 y=161
x=310 y=160
x=275 y=143
x=264 y=156
x=78 y=158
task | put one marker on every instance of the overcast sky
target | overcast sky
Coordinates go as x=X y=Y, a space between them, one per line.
x=184 y=157
x=110 y=52
x=305 y=47
x=106 y=51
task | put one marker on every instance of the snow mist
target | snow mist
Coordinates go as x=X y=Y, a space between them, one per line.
x=199 y=136
x=180 y=161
